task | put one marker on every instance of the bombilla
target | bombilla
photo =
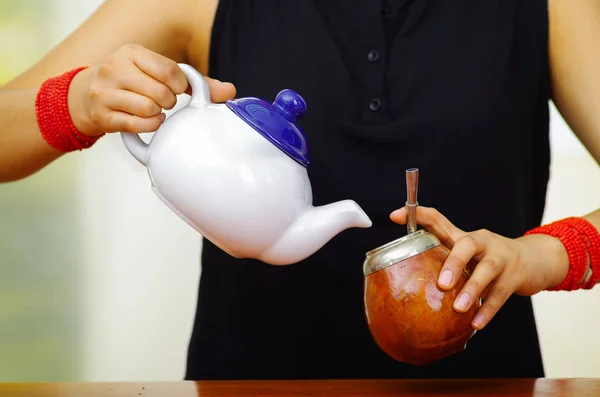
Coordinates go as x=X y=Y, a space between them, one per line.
x=412 y=185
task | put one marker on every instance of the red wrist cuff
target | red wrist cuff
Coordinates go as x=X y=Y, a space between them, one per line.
x=582 y=242
x=53 y=117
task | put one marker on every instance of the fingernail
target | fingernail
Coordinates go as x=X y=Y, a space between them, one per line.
x=163 y=117
x=478 y=320
x=462 y=301
x=446 y=278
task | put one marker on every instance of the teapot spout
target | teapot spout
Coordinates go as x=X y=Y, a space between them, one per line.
x=313 y=229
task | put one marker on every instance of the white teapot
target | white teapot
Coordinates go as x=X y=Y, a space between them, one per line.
x=236 y=172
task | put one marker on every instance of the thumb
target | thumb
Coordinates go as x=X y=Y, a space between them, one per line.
x=219 y=91
x=433 y=221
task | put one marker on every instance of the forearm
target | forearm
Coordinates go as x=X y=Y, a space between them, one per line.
x=23 y=150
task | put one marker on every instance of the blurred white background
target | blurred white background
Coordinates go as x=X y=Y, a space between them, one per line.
x=98 y=279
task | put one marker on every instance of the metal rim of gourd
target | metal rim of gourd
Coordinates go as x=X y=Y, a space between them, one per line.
x=398 y=250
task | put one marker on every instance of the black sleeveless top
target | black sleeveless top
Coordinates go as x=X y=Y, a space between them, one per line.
x=460 y=90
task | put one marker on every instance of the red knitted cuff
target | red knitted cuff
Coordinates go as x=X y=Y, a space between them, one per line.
x=591 y=238
x=53 y=118
x=582 y=242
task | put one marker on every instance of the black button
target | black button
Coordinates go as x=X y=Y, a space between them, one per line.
x=373 y=56
x=375 y=104
x=385 y=9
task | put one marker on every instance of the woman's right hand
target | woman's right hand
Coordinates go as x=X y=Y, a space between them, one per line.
x=129 y=90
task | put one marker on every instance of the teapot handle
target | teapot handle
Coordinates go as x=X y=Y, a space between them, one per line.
x=200 y=96
x=200 y=91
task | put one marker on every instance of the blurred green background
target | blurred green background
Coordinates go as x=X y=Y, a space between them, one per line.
x=40 y=236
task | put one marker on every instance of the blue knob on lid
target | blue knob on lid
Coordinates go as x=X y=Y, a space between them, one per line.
x=290 y=104
x=276 y=121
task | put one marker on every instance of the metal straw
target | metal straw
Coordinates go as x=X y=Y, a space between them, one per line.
x=412 y=186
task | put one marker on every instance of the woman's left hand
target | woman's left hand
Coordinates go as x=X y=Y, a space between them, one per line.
x=500 y=266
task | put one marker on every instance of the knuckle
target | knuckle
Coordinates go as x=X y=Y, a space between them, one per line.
x=469 y=240
x=172 y=71
x=503 y=260
x=164 y=71
x=110 y=119
x=174 y=77
x=454 y=263
x=492 y=304
x=94 y=93
x=163 y=92
x=129 y=124
x=170 y=101
x=457 y=265
x=147 y=108
x=484 y=233
x=165 y=97
x=95 y=115
x=129 y=48
x=500 y=293
x=493 y=265
x=153 y=125
x=107 y=69
x=475 y=286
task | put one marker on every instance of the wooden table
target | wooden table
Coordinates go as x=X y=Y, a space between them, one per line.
x=355 y=388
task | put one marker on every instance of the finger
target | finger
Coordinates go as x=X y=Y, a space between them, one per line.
x=161 y=69
x=143 y=84
x=146 y=85
x=219 y=91
x=132 y=103
x=123 y=122
x=433 y=221
x=463 y=251
x=486 y=271
x=497 y=297
x=170 y=74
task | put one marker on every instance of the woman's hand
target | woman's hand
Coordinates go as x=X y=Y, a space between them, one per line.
x=500 y=266
x=129 y=90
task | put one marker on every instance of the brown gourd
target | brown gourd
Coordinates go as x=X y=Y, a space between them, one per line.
x=409 y=316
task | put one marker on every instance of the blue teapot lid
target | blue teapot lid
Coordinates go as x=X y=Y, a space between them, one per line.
x=276 y=121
